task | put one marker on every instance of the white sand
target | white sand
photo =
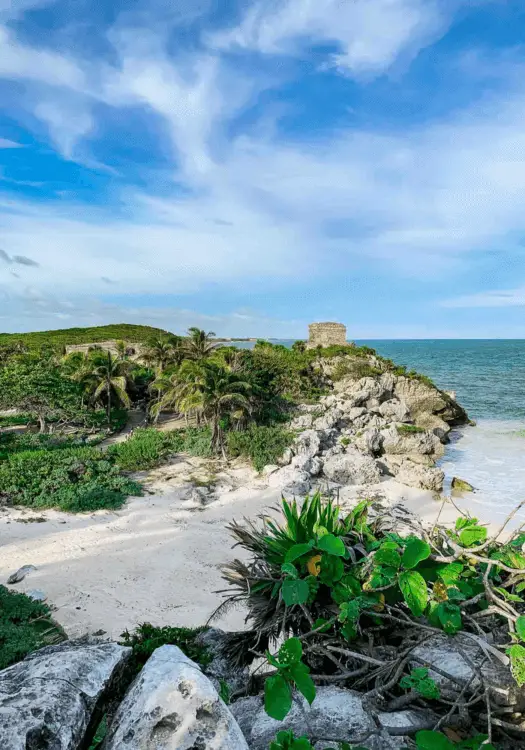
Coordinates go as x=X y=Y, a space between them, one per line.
x=156 y=560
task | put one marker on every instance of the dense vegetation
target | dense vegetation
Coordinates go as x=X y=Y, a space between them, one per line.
x=235 y=403
x=70 y=336
x=25 y=625
x=357 y=599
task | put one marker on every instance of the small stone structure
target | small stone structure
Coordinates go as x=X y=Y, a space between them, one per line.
x=326 y=334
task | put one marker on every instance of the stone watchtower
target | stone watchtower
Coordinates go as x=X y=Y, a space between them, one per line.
x=326 y=334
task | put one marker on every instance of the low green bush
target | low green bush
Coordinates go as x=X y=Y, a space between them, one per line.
x=197 y=441
x=72 y=479
x=25 y=626
x=146 y=638
x=262 y=445
x=146 y=449
x=409 y=429
x=354 y=368
x=13 y=420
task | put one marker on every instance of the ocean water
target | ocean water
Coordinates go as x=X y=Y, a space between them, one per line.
x=489 y=379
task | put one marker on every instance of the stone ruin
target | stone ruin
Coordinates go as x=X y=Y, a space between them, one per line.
x=326 y=334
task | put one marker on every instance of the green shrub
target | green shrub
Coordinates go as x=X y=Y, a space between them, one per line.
x=197 y=441
x=72 y=479
x=355 y=369
x=262 y=445
x=25 y=626
x=409 y=429
x=146 y=449
x=146 y=638
x=13 y=420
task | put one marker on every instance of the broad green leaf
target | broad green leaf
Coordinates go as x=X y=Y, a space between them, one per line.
x=473 y=535
x=517 y=663
x=349 y=631
x=450 y=617
x=461 y=522
x=297 y=551
x=450 y=572
x=428 y=740
x=386 y=556
x=349 y=611
x=277 y=697
x=520 y=587
x=300 y=674
x=295 y=592
x=322 y=625
x=332 y=544
x=415 y=552
x=289 y=570
x=508 y=596
x=414 y=590
x=291 y=651
x=332 y=570
x=520 y=627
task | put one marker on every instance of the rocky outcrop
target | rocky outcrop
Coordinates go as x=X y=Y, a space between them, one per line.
x=171 y=704
x=368 y=428
x=337 y=715
x=52 y=698
x=352 y=467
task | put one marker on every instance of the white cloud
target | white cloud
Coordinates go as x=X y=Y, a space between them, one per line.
x=370 y=34
x=6 y=143
x=491 y=298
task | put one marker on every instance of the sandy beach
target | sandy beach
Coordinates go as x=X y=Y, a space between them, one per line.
x=157 y=559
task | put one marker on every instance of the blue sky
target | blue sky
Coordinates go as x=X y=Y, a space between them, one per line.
x=249 y=167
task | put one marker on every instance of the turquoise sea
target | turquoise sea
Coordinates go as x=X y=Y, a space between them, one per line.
x=489 y=379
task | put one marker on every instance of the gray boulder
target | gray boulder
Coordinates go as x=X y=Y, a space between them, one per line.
x=20 y=574
x=336 y=714
x=422 y=398
x=220 y=667
x=308 y=443
x=452 y=654
x=286 y=458
x=51 y=698
x=420 y=476
x=311 y=466
x=370 y=441
x=172 y=706
x=351 y=468
x=425 y=443
x=302 y=422
x=291 y=480
x=395 y=410
x=328 y=420
x=355 y=412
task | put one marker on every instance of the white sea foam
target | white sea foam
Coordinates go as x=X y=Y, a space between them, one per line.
x=491 y=456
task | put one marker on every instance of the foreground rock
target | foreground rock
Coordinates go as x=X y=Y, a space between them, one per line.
x=336 y=715
x=55 y=695
x=172 y=706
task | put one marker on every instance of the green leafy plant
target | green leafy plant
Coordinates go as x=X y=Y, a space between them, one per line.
x=25 y=626
x=291 y=671
x=262 y=444
x=429 y=740
x=286 y=740
x=146 y=638
x=421 y=683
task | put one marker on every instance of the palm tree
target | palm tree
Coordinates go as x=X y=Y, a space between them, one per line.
x=199 y=344
x=162 y=352
x=110 y=379
x=206 y=389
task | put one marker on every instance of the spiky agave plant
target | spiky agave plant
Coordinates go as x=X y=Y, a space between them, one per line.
x=274 y=547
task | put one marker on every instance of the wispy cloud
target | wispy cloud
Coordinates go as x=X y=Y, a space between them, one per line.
x=6 y=143
x=494 y=298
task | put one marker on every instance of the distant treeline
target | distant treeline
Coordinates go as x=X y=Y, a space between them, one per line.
x=69 y=336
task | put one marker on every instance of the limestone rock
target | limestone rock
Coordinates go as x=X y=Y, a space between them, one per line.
x=269 y=469
x=302 y=422
x=446 y=653
x=426 y=443
x=335 y=713
x=352 y=468
x=172 y=706
x=328 y=420
x=311 y=465
x=286 y=458
x=308 y=443
x=355 y=412
x=291 y=480
x=395 y=410
x=49 y=699
x=370 y=441
x=420 y=476
x=20 y=574
x=421 y=398
x=220 y=667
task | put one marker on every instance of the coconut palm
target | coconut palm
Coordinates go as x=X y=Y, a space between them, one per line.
x=110 y=378
x=208 y=390
x=199 y=345
x=161 y=353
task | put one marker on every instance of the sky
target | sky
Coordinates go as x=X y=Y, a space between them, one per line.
x=250 y=167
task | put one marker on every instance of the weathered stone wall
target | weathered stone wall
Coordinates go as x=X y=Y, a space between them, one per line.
x=326 y=334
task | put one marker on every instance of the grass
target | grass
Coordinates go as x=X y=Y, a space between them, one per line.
x=25 y=626
x=261 y=444
x=146 y=638
x=409 y=429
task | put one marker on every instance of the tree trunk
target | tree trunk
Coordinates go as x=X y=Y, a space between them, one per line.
x=109 y=404
x=41 y=424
